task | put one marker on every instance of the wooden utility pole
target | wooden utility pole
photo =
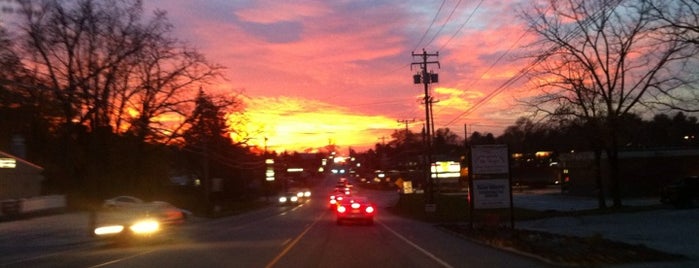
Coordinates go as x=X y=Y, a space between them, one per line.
x=406 y=122
x=426 y=78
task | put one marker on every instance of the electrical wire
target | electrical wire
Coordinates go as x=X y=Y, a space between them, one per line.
x=462 y=26
x=530 y=66
x=445 y=24
x=431 y=24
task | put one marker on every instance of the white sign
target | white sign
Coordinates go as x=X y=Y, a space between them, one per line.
x=492 y=193
x=490 y=159
x=446 y=169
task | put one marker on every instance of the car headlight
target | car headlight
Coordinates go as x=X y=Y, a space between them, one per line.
x=145 y=227
x=109 y=230
x=294 y=198
x=282 y=199
x=307 y=194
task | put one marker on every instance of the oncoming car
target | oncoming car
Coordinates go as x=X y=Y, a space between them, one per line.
x=147 y=221
x=304 y=194
x=289 y=198
x=355 y=208
x=124 y=201
x=127 y=226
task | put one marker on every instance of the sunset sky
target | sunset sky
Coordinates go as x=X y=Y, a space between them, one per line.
x=320 y=72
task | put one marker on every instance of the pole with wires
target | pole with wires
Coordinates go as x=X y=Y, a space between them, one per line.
x=426 y=78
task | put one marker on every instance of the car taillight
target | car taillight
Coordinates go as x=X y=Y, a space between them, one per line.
x=356 y=205
x=333 y=201
x=369 y=209
x=341 y=209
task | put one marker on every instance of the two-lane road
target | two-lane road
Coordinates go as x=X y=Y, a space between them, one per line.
x=299 y=236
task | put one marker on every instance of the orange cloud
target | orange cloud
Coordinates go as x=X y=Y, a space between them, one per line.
x=319 y=72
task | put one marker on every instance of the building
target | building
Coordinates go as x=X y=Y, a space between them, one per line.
x=642 y=173
x=19 y=178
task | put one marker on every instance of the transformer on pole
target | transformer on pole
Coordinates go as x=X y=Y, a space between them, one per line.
x=426 y=78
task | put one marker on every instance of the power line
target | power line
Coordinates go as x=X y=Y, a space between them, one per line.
x=537 y=60
x=444 y=24
x=430 y=27
x=462 y=25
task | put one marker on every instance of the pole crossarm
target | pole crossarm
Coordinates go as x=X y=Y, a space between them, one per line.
x=426 y=79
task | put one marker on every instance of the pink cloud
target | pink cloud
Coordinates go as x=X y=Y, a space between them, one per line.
x=353 y=58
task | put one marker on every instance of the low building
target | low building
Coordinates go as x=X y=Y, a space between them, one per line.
x=642 y=173
x=19 y=178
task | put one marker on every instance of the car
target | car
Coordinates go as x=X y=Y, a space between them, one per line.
x=333 y=199
x=304 y=194
x=337 y=195
x=682 y=193
x=123 y=226
x=124 y=201
x=167 y=213
x=288 y=198
x=355 y=208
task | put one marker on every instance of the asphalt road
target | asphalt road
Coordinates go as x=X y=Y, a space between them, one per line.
x=307 y=236
x=299 y=236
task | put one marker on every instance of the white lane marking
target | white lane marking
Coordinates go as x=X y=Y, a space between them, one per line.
x=122 y=259
x=424 y=251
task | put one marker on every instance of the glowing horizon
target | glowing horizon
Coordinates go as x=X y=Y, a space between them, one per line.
x=315 y=73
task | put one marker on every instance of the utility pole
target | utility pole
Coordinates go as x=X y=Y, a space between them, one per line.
x=406 y=122
x=426 y=78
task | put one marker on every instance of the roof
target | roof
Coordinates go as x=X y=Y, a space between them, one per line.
x=18 y=159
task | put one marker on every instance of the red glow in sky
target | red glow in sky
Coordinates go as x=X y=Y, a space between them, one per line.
x=320 y=72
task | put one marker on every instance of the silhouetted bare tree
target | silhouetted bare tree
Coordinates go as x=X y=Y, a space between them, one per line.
x=600 y=60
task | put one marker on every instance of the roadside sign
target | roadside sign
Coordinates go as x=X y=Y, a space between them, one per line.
x=407 y=187
x=490 y=159
x=494 y=193
x=489 y=179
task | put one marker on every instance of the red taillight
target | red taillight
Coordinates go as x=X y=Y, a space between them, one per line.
x=356 y=205
x=369 y=209
x=333 y=201
x=341 y=209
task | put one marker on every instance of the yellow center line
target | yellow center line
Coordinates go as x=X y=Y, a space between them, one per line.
x=293 y=243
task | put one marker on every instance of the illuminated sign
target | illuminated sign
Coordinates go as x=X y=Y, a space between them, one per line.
x=269 y=172
x=446 y=169
x=8 y=163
